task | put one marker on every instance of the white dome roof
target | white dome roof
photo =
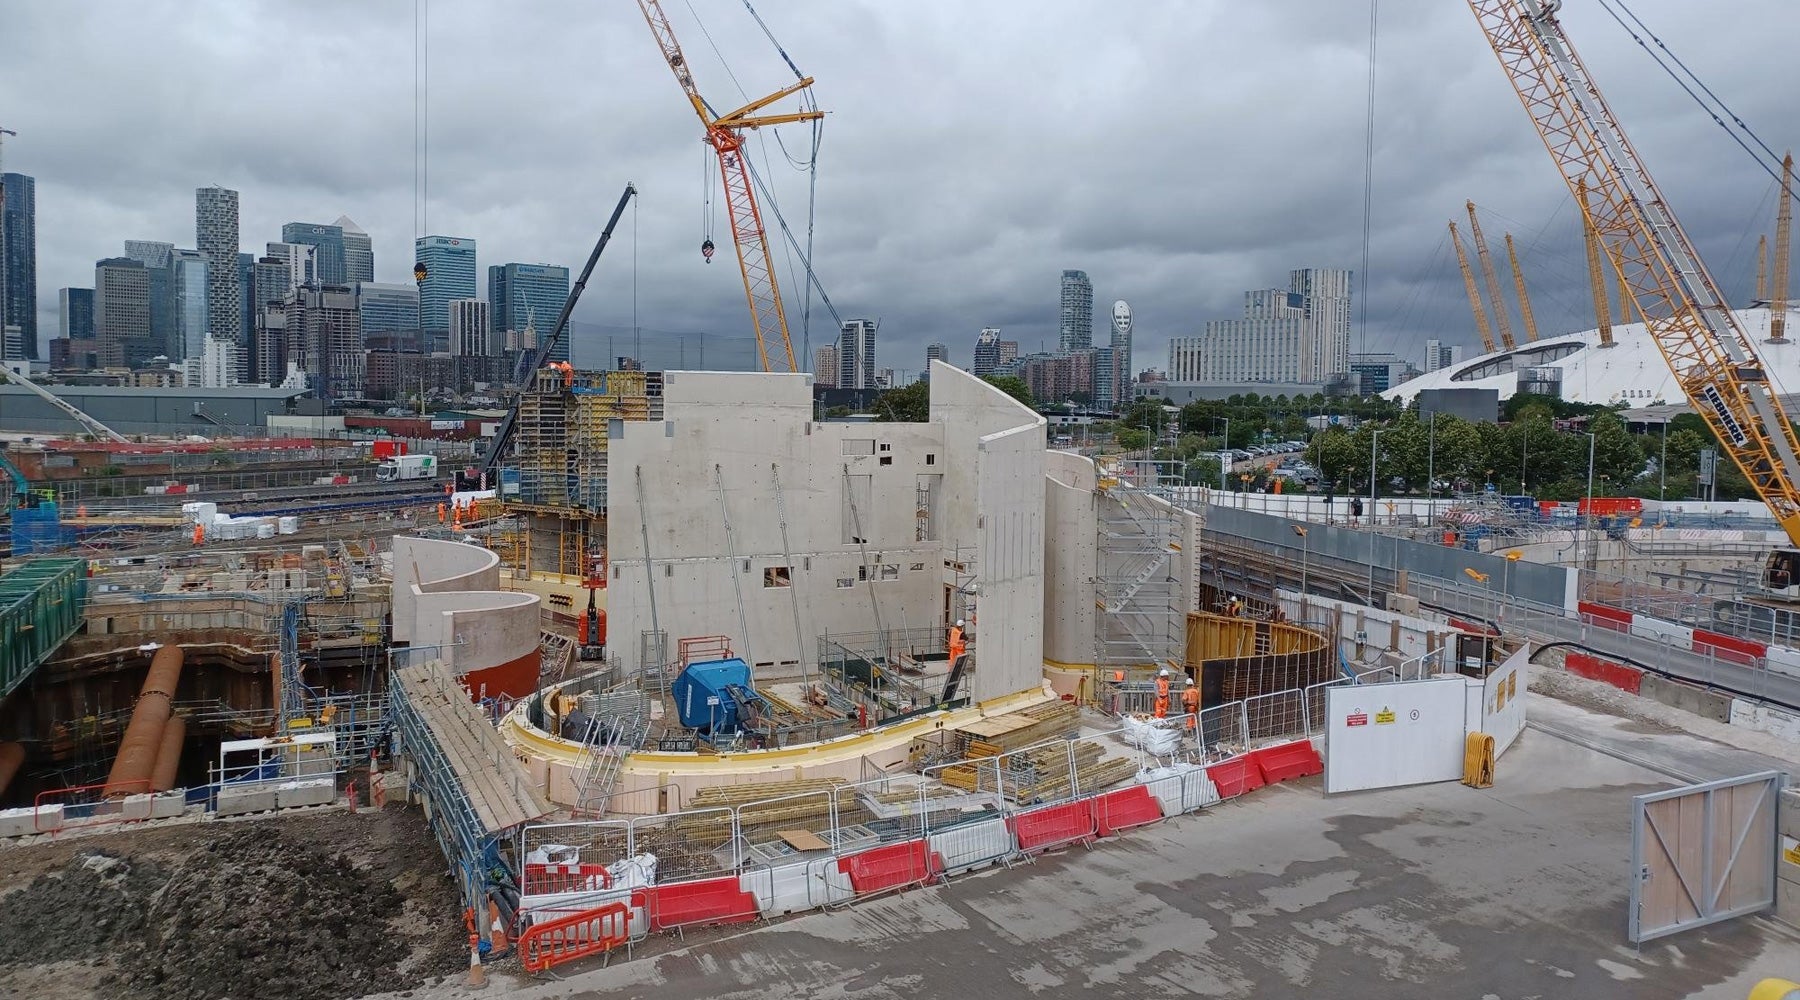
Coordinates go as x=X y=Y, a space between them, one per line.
x=1632 y=371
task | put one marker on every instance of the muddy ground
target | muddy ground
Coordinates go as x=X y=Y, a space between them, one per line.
x=324 y=906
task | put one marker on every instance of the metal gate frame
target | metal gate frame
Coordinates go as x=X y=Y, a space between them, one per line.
x=1702 y=891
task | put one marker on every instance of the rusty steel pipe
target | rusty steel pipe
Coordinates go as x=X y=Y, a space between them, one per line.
x=12 y=757
x=133 y=768
x=168 y=755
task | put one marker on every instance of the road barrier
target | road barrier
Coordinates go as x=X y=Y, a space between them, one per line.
x=566 y=939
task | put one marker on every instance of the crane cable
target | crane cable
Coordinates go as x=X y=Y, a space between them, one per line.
x=1362 y=322
x=1772 y=171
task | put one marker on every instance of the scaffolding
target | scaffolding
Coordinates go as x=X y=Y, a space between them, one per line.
x=1140 y=607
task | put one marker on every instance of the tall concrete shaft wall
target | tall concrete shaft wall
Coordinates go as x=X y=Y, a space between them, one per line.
x=133 y=768
x=1070 y=558
x=855 y=556
x=998 y=512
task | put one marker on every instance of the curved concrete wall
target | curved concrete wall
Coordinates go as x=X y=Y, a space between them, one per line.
x=447 y=598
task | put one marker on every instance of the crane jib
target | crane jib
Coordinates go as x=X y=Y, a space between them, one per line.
x=1727 y=422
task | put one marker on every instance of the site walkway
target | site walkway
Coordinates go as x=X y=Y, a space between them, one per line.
x=40 y=607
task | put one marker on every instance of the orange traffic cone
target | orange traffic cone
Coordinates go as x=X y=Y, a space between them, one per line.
x=496 y=930
x=477 y=974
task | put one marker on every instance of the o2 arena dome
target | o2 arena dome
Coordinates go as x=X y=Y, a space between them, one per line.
x=1576 y=368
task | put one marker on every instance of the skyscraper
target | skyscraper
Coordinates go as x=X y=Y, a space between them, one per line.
x=987 y=352
x=825 y=366
x=449 y=274
x=189 y=324
x=330 y=243
x=856 y=354
x=324 y=339
x=1112 y=368
x=1327 y=293
x=1441 y=355
x=302 y=260
x=388 y=309
x=535 y=293
x=77 y=306
x=1077 y=327
x=154 y=255
x=936 y=352
x=216 y=236
x=470 y=329
x=359 y=253
x=122 y=312
x=246 y=265
x=18 y=258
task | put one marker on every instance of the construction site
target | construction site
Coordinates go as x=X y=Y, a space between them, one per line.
x=659 y=683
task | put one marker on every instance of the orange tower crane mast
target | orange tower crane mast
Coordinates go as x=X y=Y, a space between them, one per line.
x=1707 y=348
x=1596 y=274
x=1481 y=320
x=724 y=133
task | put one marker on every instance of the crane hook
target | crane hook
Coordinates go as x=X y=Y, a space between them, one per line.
x=706 y=250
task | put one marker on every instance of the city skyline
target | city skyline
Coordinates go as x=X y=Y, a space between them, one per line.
x=995 y=220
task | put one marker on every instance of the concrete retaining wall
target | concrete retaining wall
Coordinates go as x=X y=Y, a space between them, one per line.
x=1675 y=694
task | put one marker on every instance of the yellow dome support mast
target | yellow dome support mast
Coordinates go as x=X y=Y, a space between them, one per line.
x=725 y=134
x=1669 y=288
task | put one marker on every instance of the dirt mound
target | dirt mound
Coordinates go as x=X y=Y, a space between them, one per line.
x=81 y=913
x=257 y=914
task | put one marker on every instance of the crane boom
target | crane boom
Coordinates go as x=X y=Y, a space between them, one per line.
x=1524 y=297
x=1502 y=325
x=503 y=434
x=762 y=291
x=93 y=426
x=1481 y=320
x=1704 y=343
x=1784 y=228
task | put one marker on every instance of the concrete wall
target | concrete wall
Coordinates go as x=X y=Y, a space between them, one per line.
x=995 y=494
x=446 y=595
x=838 y=482
x=1389 y=638
x=1070 y=555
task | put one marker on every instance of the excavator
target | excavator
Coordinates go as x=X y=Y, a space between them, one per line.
x=1706 y=346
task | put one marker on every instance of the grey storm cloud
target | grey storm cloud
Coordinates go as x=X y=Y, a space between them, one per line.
x=1180 y=152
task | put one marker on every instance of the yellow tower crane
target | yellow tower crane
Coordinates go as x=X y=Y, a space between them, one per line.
x=725 y=134
x=1704 y=343
x=1502 y=325
x=1481 y=320
x=1525 y=315
x=1762 y=268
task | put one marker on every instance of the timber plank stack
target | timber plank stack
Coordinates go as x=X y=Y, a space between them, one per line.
x=1042 y=774
x=1015 y=730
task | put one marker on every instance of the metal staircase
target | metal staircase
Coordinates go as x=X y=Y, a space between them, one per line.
x=610 y=738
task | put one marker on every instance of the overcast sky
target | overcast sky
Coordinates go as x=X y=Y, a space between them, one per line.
x=1180 y=152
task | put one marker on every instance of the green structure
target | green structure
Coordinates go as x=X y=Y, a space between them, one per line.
x=40 y=607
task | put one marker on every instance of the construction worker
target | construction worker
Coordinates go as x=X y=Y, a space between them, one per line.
x=1162 y=694
x=1190 y=703
x=958 y=644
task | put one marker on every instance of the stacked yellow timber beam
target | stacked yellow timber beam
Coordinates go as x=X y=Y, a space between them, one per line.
x=1014 y=730
x=1043 y=773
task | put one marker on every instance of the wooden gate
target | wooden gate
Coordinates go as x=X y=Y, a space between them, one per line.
x=1702 y=854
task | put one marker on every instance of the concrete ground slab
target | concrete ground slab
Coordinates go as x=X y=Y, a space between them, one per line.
x=1510 y=892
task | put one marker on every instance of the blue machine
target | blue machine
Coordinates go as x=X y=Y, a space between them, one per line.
x=716 y=697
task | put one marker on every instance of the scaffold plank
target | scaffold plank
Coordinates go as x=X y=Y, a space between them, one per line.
x=499 y=793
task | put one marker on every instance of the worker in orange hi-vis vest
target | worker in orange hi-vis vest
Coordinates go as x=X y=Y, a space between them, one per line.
x=442 y=510
x=1190 y=703
x=1162 y=694
x=958 y=643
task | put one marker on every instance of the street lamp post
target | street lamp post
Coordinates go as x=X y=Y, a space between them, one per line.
x=1587 y=517
x=1431 y=462
x=1225 y=455
x=1301 y=531
x=1374 y=443
x=1662 y=464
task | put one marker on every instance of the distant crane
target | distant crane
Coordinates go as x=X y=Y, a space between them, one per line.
x=725 y=134
x=1502 y=325
x=1762 y=268
x=1481 y=320
x=1525 y=315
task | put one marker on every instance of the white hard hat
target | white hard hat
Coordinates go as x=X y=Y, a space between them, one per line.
x=959 y=623
x=1190 y=682
x=1163 y=672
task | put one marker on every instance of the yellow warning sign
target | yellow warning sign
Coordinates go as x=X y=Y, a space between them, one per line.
x=1385 y=717
x=1790 y=850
